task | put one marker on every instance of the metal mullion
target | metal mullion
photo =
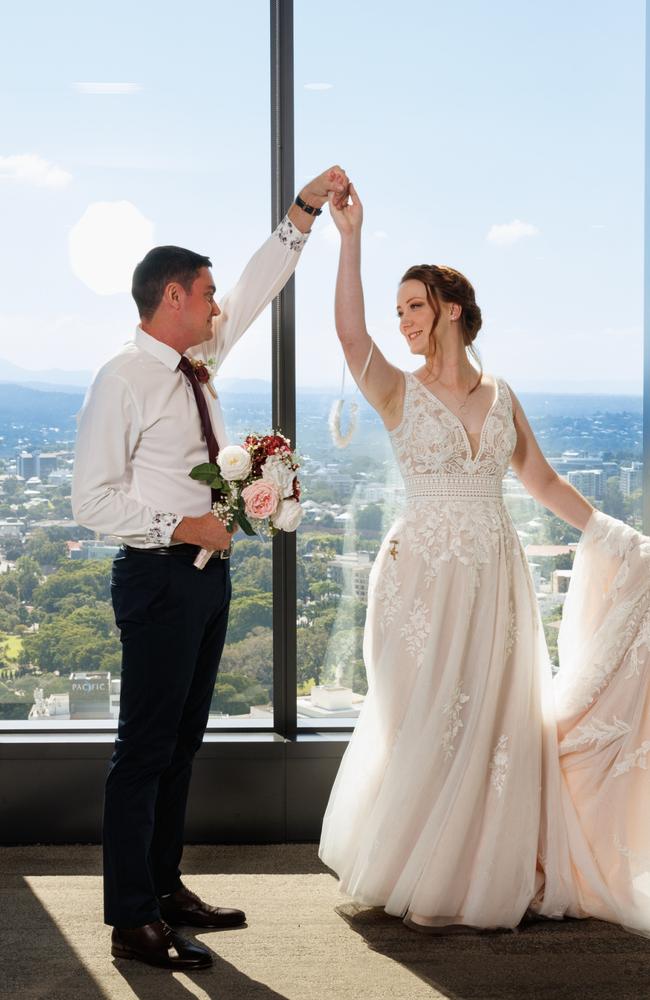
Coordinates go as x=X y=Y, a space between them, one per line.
x=646 y=339
x=284 y=365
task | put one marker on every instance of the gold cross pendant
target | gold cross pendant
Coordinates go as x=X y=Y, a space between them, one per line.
x=394 y=544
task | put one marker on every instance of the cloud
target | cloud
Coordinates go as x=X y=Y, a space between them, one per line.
x=106 y=243
x=28 y=168
x=507 y=233
x=319 y=86
x=107 y=88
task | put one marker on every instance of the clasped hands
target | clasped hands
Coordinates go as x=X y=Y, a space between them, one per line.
x=332 y=185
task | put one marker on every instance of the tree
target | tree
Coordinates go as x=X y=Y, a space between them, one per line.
x=27 y=574
x=45 y=550
x=613 y=502
x=248 y=612
x=252 y=657
x=234 y=695
x=254 y=573
x=369 y=518
x=86 y=580
x=84 y=640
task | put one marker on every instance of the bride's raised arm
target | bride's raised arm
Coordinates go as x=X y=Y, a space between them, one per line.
x=381 y=383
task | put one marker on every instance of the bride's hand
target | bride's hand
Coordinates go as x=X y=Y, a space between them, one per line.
x=348 y=218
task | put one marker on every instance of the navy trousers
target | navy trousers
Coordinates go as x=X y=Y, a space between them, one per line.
x=172 y=619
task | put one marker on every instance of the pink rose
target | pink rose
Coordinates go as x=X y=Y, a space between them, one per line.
x=260 y=499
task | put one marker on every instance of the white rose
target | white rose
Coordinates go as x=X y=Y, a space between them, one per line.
x=234 y=462
x=288 y=515
x=277 y=472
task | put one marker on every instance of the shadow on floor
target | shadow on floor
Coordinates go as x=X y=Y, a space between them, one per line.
x=203 y=859
x=218 y=982
x=39 y=962
x=37 y=959
x=563 y=960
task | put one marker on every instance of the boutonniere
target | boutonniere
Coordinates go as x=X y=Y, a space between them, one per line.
x=205 y=371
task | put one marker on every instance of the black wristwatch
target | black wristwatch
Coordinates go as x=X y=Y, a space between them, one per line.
x=309 y=209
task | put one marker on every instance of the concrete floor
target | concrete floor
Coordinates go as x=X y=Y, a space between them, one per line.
x=303 y=941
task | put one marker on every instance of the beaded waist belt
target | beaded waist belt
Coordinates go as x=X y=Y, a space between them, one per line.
x=453 y=487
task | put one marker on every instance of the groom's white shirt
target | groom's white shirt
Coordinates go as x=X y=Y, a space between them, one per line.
x=139 y=431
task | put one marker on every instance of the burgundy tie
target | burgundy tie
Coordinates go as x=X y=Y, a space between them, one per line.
x=185 y=366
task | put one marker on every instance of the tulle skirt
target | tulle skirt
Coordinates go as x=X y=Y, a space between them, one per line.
x=454 y=803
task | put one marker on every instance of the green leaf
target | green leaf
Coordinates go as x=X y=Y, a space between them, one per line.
x=208 y=473
x=242 y=520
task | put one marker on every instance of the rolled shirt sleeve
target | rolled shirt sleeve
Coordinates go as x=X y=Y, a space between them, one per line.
x=266 y=274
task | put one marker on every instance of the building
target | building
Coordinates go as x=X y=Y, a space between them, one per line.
x=560 y=580
x=89 y=548
x=352 y=570
x=48 y=462
x=26 y=465
x=589 y=482
x=631 y=478
x=37 y=465
x=11 y=528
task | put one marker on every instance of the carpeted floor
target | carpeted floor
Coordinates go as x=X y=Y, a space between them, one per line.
x=304 y=941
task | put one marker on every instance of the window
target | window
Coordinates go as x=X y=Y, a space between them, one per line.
x=121 y=135
x=490 y=139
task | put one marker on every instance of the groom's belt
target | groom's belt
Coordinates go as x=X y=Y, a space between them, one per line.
x=180 y=549
x=453 y=486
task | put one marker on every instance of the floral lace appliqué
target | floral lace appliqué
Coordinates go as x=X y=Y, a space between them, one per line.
x=595 y=731
x=453 y=710
x=161 y=528
x=417 y=630
x=637 y=758
x=499 y=764
x=431 y=446
x=640 y=646
x=387 y=592
x=513 y=631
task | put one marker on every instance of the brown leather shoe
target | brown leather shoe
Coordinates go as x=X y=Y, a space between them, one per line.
x=158 y=944
x=185 y=907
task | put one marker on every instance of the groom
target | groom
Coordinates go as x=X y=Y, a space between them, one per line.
x=146 y=421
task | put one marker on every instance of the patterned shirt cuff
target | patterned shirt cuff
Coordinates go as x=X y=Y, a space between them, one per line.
x=161 y=528
x=288 y=234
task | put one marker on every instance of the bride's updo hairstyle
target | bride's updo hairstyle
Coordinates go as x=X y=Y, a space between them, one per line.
x=444 y=284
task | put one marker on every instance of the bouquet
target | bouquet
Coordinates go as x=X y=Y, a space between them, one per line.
x=257 y=487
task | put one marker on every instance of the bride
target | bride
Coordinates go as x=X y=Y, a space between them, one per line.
x=476 y=787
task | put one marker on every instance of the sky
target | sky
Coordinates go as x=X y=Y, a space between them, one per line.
x=504 y=139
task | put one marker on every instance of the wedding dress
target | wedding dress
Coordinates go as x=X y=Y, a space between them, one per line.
x=476 y=786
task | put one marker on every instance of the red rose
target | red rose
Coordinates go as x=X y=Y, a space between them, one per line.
x=202 y=373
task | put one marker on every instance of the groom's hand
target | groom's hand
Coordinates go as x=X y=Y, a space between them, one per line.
x=333 y=183
x=207 y=531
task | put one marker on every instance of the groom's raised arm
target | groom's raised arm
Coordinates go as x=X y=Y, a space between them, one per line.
x=269 y=269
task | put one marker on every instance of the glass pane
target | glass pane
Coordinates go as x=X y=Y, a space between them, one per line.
x=485 y=138
x=122 y=128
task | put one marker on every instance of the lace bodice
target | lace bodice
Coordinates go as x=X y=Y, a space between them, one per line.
x=432 y=442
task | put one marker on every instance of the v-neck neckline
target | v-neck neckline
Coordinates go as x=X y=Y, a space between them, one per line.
x=472 y=458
